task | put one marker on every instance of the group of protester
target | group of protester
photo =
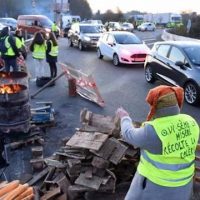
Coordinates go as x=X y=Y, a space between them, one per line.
x=12 y=49
x=43 y=48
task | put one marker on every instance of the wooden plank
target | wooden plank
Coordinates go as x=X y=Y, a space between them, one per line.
x=93 y=182
x=87 y=140
x=55 y=163
x=39 y=176
x=100 y=163
x=71 y=155
x=112 y=150
x=49 y=176
x=63 y=183
x=51 y=194
x=118 y=152
x=106 y=150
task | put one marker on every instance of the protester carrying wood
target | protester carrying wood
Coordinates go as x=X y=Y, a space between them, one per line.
x=168 y=142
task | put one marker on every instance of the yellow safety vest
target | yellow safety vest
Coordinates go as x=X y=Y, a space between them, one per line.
x=54 y=27
x=175 y=166
x=54 y=50
x=10 y=51
x=39 y=51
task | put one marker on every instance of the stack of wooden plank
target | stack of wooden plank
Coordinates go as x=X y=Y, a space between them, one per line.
x=93 y=159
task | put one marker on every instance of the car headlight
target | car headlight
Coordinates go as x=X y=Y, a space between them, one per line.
x=86 y=38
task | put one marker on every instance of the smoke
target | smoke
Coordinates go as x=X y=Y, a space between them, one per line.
x=40 y=7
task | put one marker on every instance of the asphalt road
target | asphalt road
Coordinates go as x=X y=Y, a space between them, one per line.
x=119 y=86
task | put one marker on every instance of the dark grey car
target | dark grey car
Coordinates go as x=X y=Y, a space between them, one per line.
x=84 y=35
x=176 y=63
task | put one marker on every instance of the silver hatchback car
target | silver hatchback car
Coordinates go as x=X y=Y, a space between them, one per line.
x=147 y=26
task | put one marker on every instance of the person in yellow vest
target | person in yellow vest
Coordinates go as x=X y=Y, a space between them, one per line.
x=11 y=52
x=167 y=140
x=52 y=54
x=38 y=49
x=55 y=29
x=18 y=35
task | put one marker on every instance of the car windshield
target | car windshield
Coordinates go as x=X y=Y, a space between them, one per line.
x=193 y=54
x=46 y=23
x=127 y=39
x=126 y=25
x=89 y=29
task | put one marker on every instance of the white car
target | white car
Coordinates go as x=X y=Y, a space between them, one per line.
x=122 y=47
x=127 y=27
x=147 y=26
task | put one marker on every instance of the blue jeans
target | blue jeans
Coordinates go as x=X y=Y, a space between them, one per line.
x=11 y=62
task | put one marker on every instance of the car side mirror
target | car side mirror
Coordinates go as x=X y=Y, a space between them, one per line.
x=111 y=44
x=180 y=64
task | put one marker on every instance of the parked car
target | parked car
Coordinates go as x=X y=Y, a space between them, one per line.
x=146 y=26
x=127 y=27
x=84 y=35
x=8 y=21
x=176 y=63
x=33 y=23
x=113 y=26
x=122 y=47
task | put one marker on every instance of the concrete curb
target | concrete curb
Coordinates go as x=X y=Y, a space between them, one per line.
x=168 y=36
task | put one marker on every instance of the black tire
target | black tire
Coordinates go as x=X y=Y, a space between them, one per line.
x=80 y=46
x=149 y=74
x=191 y=93
x=116 y=60
x=99 y=55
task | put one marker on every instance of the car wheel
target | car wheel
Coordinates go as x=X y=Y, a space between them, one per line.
x=99 y=55
x=191 y=93
x=149 y=74
x=116 y=60
x=80 y=46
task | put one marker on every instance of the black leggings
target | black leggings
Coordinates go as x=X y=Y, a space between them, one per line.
x=53 y=69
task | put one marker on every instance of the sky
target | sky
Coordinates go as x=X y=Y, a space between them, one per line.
x=152 y=6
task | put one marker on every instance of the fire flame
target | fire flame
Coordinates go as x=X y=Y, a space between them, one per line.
x=10 y=89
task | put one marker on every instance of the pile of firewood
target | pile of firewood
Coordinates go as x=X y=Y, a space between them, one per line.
x=95 y=158
x=16 y=191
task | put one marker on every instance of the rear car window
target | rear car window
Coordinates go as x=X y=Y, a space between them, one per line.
x=162 y=50
x=176 y=55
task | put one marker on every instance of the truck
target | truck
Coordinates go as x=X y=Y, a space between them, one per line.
x=136 y=20
x=169 y=20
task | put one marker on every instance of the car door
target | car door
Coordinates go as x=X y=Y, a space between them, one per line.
x=102 y=44
x=160 y=61
x=110 y=45
x=177 y=74
x=105 y=45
